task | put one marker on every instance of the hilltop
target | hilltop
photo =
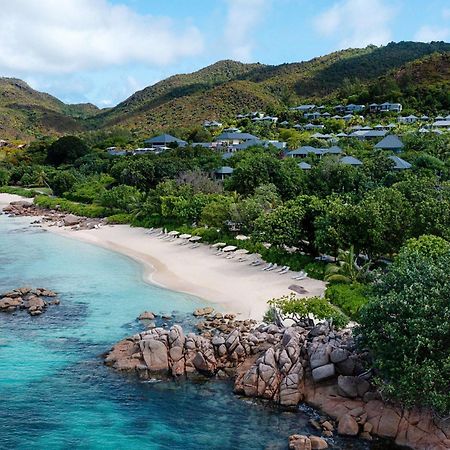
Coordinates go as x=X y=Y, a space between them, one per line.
x=416 y=74
x=26 y=112
x=228 y=87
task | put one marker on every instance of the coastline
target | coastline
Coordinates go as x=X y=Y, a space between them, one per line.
x=231 y=285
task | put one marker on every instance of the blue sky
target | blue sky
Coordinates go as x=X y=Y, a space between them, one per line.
x=101 y=51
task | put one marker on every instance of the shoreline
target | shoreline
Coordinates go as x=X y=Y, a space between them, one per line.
x=234 y=286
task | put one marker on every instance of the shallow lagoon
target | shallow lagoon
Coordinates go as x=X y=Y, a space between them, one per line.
x=55 y=392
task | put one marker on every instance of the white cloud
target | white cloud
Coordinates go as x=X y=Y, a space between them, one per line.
x=357 y=23
x=428 y=34
x=65 y=36
x=243 y=16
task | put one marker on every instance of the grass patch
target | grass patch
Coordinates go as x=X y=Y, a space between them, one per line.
x=28 y=193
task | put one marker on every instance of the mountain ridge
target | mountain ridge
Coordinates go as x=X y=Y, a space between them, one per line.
x=225 y=88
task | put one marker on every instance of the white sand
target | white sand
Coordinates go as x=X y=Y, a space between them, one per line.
x=235 y=286
x=6 y=199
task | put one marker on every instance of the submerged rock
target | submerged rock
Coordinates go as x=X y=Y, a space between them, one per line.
x=27 y=298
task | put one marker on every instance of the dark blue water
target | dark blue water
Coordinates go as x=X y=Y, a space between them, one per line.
x=55 y=392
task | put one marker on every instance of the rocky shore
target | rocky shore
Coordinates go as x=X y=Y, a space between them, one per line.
x=51 y=217
x=34 y=301
x=285 y=366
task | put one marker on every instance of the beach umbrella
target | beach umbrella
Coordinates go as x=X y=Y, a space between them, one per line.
x=241 y=251
x=241 y=237
x=174 y=233
x=195 y=238
x=185 y=236
x=230 y=248
x=219 y=245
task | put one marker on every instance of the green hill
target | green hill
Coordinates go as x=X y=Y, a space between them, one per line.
x=227 y=87
x=25 y=112
x=415 y=73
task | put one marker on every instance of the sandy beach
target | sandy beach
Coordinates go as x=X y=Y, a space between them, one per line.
x=235 y=286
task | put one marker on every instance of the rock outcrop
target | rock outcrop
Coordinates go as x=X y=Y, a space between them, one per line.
x=301 y=442
x=35 y=301
x=51 y=217
x=286 y=366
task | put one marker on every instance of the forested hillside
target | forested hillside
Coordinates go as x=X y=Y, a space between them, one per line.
x=416 y=74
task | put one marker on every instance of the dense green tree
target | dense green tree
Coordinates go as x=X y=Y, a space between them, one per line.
x=405 y=326
x=282 y=226
x=217 y=212
x=4 y=176
x=66 y=150
x=124 y=198
x=329 y=176
x=62 y=181
x=245 y=211
x=255 y=169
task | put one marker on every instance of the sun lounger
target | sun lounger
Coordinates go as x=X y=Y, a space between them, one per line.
x=272 y=268
x=285 y=270
x=302 y=276
x=268 y=267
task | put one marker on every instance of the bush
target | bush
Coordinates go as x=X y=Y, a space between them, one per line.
x=350 y=298
x=4 y=176
x=123 y=198
x=120 y=219
x=71 y=207
x=300 y=309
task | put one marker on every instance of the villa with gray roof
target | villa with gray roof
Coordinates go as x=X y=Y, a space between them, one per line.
x=390 y=142
x=164 y=140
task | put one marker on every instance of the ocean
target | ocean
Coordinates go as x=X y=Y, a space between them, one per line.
x=55 y=391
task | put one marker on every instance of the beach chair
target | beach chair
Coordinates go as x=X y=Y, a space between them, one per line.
x=268 y=267
x=281 y=269
x=302 y=277
x=285 y=270
x=272 y=268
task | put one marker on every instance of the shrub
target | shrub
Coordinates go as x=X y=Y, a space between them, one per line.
x=4 y=176
x=125 y=198
x=120 y=219
x=300 y=309
x=350 y=298
x=78 y=209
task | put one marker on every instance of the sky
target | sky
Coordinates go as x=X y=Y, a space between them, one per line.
x=102 y=51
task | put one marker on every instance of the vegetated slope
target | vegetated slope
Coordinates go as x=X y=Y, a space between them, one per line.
x=25 y=112
x=424 y=83
x=227 y=87
x=414 y=73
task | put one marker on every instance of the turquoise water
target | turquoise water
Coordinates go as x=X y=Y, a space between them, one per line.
x=55 y=392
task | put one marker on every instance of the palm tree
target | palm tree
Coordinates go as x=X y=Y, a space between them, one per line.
x=347 y=270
